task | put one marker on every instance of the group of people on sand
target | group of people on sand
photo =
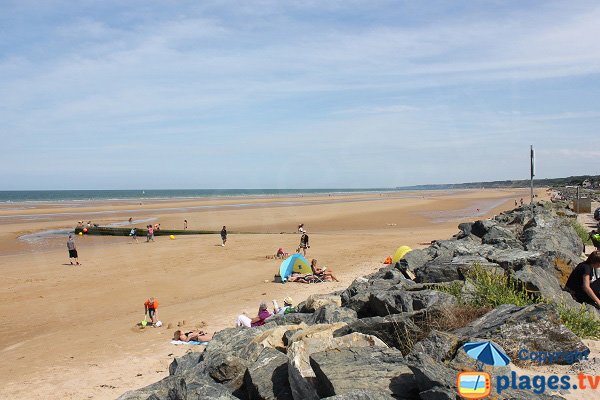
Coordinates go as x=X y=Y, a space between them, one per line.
x=264 y=313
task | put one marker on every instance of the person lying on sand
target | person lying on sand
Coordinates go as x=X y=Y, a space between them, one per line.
x=192 y=336
x=303 y=278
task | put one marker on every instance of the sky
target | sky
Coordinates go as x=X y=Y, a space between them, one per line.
x=295 y=94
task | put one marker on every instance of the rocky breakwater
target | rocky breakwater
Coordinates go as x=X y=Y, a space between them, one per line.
x=388 y=337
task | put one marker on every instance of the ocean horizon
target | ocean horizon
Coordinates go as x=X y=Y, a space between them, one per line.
x=18 y=196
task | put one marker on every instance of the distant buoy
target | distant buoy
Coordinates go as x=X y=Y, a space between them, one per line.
x=84 y=230
x=172 y=237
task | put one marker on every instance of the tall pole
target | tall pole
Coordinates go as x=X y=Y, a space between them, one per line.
x=532 y=171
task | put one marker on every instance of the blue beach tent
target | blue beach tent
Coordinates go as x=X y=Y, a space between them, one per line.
x=294 y=263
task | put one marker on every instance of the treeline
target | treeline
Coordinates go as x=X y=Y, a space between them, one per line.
x=522 y=183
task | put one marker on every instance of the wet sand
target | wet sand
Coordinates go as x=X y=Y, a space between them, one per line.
x=69 y=332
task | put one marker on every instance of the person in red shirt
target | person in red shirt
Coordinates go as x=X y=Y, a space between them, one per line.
x=150 y=307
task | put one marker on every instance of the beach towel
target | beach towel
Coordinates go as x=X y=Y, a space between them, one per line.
x=190 y=342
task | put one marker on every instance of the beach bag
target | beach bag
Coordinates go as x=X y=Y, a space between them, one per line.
x=388 y=260
x=277 y=279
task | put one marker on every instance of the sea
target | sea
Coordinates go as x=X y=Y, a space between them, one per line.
x=18 y=196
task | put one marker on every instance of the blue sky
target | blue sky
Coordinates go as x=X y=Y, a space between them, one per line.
x=298 y=94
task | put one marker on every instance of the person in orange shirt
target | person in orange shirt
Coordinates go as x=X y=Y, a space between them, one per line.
x=150 y=307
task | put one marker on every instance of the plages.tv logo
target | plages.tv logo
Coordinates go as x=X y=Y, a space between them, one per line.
x=478 y=385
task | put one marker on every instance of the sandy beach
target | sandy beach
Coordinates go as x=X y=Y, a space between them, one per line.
x=70 y=332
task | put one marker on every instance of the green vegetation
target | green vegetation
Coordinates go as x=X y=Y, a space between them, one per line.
x=582 y=322
x=581 y=232
x=488 y=289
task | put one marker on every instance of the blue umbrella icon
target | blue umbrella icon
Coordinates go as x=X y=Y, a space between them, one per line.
x=486 y=353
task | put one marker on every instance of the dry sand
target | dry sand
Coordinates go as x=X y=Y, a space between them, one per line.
x=69 y=332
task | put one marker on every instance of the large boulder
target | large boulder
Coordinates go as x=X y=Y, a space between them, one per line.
x=513 y=259
x=184 y=363
x=374 y=368
x=267 y=378
x=541 y=283
x=440 y=346
x=188 y=387
x=316 y=301
x=332 y=313
x=362 y=394
x=398 y=330
x=231 y=351
x=501 y=237
x=547 y=233
x=314 y=339
x=399 y=301
x=535 y=327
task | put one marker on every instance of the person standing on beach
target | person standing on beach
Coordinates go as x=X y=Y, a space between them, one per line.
x=150 y=235
x=223 y=235
x=304 y=243
x=72 y=250
x=185 y=224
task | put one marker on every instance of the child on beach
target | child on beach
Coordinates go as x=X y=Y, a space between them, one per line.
x=150 y=235
x=133 y=234
x=150 y=307
x=72 y=250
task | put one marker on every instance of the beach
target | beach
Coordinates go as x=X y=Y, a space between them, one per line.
x=70 y=332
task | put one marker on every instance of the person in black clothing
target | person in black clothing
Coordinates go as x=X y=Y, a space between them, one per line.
x=304 y=243
x=583 y=281
x=223 y=235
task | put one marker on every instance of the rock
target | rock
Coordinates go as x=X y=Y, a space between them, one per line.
x=397 y=330
x=535 y=327
x=547 y=233
x=267 y=378
x=196 y=388
x=359 y=285
x=362 y=394
x=416 y=259
x=290 y=319
x=514 y=259
x=314 y=339
x=439 y=394
x=431 y=374
x=501 y=237
x=180 y=388
x=316 y=301
x=230 y=352
x=397 y=301
x=181 y=364
x=480 y=228
x=441 y=346
x=438 y=272
x=383 y=369
x=541 y=283
x=331 y=313
x=275 y=337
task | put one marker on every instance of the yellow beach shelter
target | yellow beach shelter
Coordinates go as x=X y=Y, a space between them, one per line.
x=400 y=253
